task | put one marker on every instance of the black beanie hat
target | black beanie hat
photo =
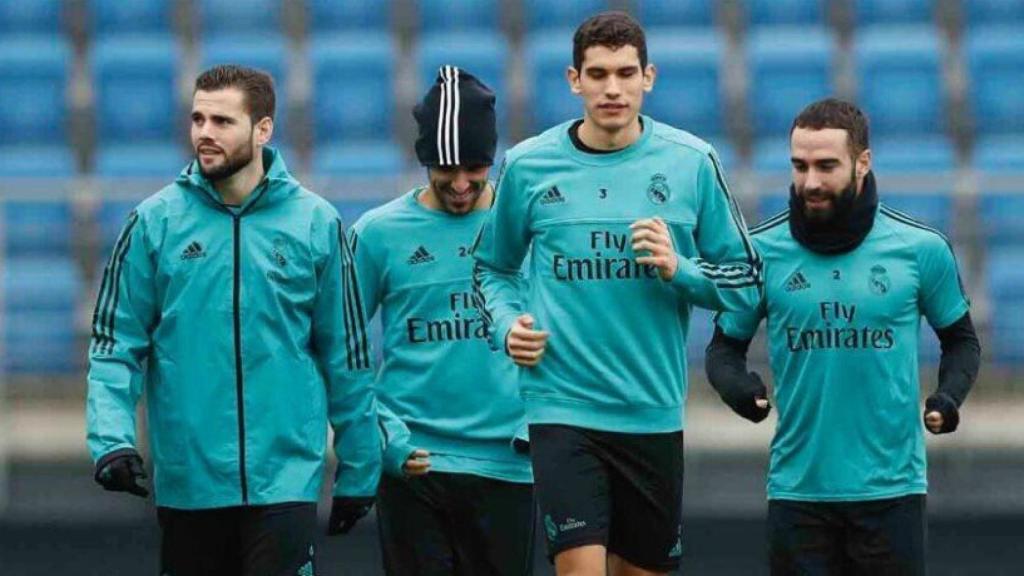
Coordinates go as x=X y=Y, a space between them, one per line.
x=456 y=121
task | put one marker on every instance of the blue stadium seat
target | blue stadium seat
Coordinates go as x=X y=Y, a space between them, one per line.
x=550 y=102
x=1005 y=274
x=111 y=216
x=359 y=159
x=439 y=16
x=702 y=327
x=870 y=12
x=55 y=161
x=1007 y=340
x=1000 y=154
x=111 y=17
x=348 y=15
x=546 y=15
x=267 y=53
x=351 y=209
x=353 y=79
x=37 y=227
x=928 y=348
x=770 y=204
x=40 y=293
x=231 y=16
x=675 y=13
x=31 y=17
x=158 y=160
x=995 y=64
x=1000 y=215
x=33 y=75
x=992 y=11
x=136 y=87
x=726 y=153
x=771 y=156
x=789 y=68
x=483 y=54
x=912 y=154
x=932 y=208
x=688 y=92
x=899 y=77
x=775 y=12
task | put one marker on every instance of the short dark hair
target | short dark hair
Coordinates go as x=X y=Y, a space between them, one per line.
x=256 y=85
x=612 y=29
x=836 y=113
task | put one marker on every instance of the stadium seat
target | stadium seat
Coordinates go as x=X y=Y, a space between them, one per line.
x=440 y=16
x=546 y=15
x=351 y=209
x=1007 y=339
x=31 y=17
x=870 y=12
x=136 y=88
x=158 y=161
x=217 y=17
x=110 y=219
x=932 y=208
x=42 y=161
x=40 y=294
x=688 y=93
x=770 y=204
x=1000 y=216
x=111 y=17
x=702 y=327
x=995 y=64
x=899 y=78
x=1005 y=274
x=483 y=54
x=1000 y=154
x=726 y=153
x=912 y=154
x=775 y=12
x=353 y=78
x=788 y=68
x=325 y=16
x=37 y=227
x=977 y=12
x=549 y=100
x=359 y=159
x=33 y=75
x=771 y=156
x=675 y=13
x=928 y=348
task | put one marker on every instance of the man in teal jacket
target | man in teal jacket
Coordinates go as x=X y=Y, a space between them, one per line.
x=231 y=299
x=450 y=395
x=628 y=224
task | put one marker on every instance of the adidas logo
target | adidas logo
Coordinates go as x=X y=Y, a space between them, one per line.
x=552 y=196
x=194 y=250
x=797 y=282
x=420 y=256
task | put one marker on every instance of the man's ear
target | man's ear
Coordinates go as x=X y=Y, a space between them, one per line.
x=650 y=73
x=863 y=163
x=573 y=76
x=264 y=130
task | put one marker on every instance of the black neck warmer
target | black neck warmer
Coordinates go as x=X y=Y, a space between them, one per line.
x=854 y=216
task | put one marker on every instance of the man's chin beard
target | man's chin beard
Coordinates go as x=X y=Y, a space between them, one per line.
x=229 y=168
x=840 y=205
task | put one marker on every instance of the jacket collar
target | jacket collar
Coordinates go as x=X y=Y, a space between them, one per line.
x=276 y=184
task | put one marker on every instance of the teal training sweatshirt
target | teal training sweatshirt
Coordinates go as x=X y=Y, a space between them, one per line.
x=615 y=357
x=241 y=326
x=440 y=386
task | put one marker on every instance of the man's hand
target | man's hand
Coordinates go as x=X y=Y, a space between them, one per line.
x=123 y=473
x=750 y=400
x=651 y=235
x=524 y=344
x=941 y=415
x=346 y=511
x=417 y=464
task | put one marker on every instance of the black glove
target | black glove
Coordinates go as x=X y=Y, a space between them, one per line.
x=945 y=405
x=122 y=471
x=742 y=398
x=346 y=511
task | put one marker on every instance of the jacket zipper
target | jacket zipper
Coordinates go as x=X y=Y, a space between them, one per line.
x=239 y=384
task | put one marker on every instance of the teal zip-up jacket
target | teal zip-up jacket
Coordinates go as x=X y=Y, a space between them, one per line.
x=244 y=328
x=440 y=386
x=616 y=355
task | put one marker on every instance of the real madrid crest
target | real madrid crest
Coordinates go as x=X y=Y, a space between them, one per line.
x=879 y=282
x=658 y=191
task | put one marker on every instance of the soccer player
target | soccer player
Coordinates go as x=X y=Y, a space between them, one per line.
x=229 y=299
x=628 y=223
x=846 y=280
x=445 y=392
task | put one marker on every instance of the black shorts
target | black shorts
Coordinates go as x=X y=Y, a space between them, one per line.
x=275 y=540
x=871 y=537
x=442 y=524
x=621 y=491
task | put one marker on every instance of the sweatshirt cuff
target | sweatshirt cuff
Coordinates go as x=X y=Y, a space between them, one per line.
x=499 y=332
x=395 y=455
x=688 y=275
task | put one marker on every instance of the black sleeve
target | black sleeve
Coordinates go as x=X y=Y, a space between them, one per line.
x=725 y=362
x=960 y=360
